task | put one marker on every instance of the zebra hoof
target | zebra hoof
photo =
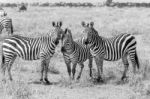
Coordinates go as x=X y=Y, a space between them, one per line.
x=99 y=79
x=78 y=77
x=41 y=80
x=124 y=78
x=72 y=78
x=47 y=82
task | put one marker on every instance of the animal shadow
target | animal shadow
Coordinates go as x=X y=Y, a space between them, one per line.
x=43 y=83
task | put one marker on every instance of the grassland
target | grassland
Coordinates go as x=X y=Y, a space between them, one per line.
x=109 y=22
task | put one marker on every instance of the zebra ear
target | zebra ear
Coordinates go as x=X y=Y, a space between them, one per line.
x=69 y=31
x=65 y=31
x=53 y=24
x=69 y=34
x=60 y=23
x=83 y=23
x=91 y=24
x=5 y=14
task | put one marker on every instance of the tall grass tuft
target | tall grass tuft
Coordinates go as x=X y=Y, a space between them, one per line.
x=16 y=90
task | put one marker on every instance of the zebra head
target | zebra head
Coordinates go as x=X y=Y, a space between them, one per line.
x=3 y=13
x=57 y=31
x=89 y=31
x=66 y=40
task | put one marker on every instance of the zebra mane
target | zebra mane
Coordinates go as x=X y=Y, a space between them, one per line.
x=70 y=34
x=95 y=32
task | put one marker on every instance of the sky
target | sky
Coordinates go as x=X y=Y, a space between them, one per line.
x=52 y=1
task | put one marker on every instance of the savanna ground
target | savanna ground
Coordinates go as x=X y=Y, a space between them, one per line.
x=109 y=22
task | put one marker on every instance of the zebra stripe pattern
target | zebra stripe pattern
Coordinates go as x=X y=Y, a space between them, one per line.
x=75 y=52
x=6 y=22
x=27 y=48
x=111 y=49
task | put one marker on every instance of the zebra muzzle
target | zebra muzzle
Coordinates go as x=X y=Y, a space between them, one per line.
x=63 y=49
x=86 y=42
x=56 y=42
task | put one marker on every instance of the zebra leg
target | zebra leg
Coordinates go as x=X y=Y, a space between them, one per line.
x=3 y=71
x=9 y=71
x=46 y=71
x=1 y=31
x=9 y=67
x=43 y=66
x=133 y=56
x=90 y=65
x=42 y=71
x=74 y=70
x=99 y=63
x=126 y=65
x=68 y=64
x=82 y=66
x=8 y=31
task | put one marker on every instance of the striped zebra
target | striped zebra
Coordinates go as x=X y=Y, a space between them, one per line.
x=6 y=22
x=75 y=52
x=2 y=12
x=111 y=49
x=27 y=48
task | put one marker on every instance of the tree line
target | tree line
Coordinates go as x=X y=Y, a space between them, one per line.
x=108 y=3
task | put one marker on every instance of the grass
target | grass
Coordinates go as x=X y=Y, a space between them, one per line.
x=109 y=22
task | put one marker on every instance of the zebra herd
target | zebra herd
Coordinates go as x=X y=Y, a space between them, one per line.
x=76 y=52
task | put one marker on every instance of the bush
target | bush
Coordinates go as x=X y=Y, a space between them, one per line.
x=8 y=5
x=44 y=4
x=35 y=4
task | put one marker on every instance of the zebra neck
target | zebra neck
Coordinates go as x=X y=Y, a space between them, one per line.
x=49 y=40
x=1 y=30
x=54 y=41
x=96 y=40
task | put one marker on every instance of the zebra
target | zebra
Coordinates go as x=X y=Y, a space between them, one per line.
x=111 y=49
x=2 y=12
x=75 y=52
x=27 y=48
x=6 y=22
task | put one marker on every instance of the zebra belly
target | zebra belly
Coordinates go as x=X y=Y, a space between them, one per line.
x=30 y=59
x=106 y=57
x=111 y=59
x=75 y=58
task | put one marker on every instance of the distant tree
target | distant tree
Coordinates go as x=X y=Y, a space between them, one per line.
x=46 y=4
x=35 y=4
x=1 y=8
x=22 y=7
x=109 y=2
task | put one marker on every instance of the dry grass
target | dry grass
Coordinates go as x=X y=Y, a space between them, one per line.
x=109 y=22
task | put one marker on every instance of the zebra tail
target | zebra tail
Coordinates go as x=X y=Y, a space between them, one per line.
x=3 y=62
x=137 y=60
x=12 y=30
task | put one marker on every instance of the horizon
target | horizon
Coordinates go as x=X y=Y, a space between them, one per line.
x=72 y=1
x=50 y=1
